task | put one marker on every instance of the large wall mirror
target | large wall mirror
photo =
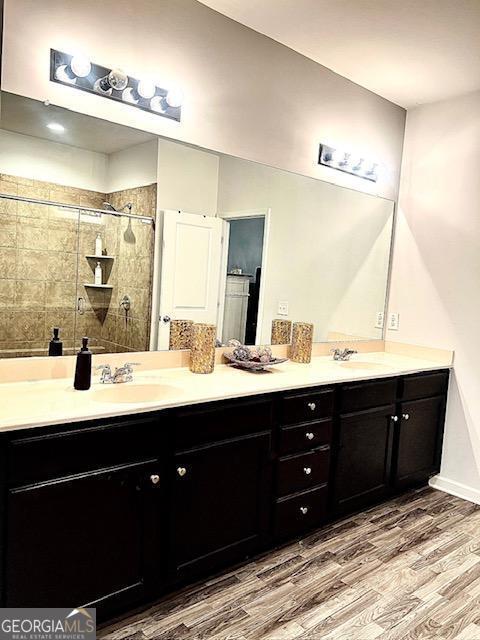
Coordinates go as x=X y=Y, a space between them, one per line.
x=116 y=234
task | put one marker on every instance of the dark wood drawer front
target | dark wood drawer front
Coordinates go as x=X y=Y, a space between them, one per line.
x=221 y=421
x=303 y=407
x=304 y=470
x=305 y=436
x=425 y=386
x=299 y=513
x=358 y=396
x=78 y=450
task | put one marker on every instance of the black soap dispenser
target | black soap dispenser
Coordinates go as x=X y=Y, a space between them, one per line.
x=83 y=368
x=55 y=348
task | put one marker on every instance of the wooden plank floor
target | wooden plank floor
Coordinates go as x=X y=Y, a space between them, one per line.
x=407 y=569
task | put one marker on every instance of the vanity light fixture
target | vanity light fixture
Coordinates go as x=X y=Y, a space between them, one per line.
x=78 y=72
x=348 y=163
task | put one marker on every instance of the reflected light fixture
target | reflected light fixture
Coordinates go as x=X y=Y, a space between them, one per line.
x=80 y=73
x=347 y=162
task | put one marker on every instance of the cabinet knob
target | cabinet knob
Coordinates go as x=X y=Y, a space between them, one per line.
x=406 y=416
x=312 y=406
x=394 y=418
x=303 y=510
x=309 y=435
x=154 y=478
x=181 y=471
x=307 y=471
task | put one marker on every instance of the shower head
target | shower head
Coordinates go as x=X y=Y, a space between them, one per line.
x=128 y=206
x=109 y=206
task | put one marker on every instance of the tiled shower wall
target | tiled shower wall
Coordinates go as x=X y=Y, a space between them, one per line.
x=131 y=242
x=40 y=280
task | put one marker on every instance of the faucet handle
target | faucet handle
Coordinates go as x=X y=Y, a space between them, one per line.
x=128 y=366
x=103 y=367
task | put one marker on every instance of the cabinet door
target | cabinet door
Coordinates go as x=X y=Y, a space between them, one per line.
x=364 y=455
x=220 y=505
x=83 y=540
x=419 y=440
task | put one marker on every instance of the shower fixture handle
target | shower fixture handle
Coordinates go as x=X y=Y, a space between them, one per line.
x=81 y=306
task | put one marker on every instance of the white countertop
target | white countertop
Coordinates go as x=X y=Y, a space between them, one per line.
x=50 y=402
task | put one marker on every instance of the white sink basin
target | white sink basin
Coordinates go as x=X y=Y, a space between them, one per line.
x=358 y=364
x=132 y=393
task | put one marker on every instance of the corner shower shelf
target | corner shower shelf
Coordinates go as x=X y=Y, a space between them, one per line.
x=97 y=286
x=91 y=257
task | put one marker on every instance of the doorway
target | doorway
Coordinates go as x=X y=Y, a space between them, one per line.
x=244 y=258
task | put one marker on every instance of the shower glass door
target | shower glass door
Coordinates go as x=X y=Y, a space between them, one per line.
x=38 y=275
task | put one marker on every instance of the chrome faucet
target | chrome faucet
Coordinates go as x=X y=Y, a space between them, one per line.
x=120 y=375
x=339 y=354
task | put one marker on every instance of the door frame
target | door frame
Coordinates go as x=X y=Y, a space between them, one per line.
x=235 y=215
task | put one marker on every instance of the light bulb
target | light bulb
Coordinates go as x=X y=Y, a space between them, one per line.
x=157 y=104
x=146 y=88
x=337 y=156
x=63 y=73
x=80 y=66
x=357 y=164
x=174 y=98
x=130 y=95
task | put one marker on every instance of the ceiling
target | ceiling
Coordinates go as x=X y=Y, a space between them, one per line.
x=31 y=118
x=408 y=51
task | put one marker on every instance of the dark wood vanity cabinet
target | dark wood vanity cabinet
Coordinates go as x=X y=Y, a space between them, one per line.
x=113 y=513
x=397 y=445
x=90 y=536
x=219 y=510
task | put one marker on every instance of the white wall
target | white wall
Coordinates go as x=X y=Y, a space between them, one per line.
x=132 y=167
x=246 y=95
x=328 y=248
x=187 y=179
x=436 y=267
x=40 y=159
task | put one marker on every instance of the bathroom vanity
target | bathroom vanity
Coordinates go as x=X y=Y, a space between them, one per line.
x=114 y=512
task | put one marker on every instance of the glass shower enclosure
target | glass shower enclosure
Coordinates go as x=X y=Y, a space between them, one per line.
x=47 y=278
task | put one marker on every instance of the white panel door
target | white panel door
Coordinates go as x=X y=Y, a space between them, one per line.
x=190 y=275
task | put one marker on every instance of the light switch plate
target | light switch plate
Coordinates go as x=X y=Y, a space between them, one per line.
x=394 y=321
x=282 y=309
x=379 y=319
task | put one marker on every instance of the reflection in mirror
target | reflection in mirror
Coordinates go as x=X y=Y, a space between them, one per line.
x=236 y=244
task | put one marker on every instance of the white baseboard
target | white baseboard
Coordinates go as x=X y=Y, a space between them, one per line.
x=455 y=489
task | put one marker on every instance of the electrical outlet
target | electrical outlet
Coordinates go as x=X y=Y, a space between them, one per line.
x=282 y=309
x=394 y=321
x=379 y=319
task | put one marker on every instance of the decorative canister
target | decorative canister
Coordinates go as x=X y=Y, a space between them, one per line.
x=281 y=331
x=180 y=334
x=301 y=349
x=202 y=349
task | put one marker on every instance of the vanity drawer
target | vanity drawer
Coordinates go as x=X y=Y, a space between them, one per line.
x=305 y=436
x=220 y=421
x=80 y=449
x=306 y=406
x=425 y=386
x=363 y=395
x=300 y=471
x=299 y=513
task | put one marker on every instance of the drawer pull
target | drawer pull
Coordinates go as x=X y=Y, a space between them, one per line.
x=309 y=435
x=181 y=471
x=154 y=478
x=307 y=471
x=304 y=510
x=312 y=406
x=406 y=416
x=394 y=418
